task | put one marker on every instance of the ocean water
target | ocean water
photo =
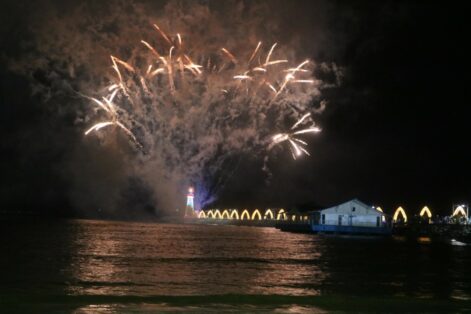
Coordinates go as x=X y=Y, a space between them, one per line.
x=83 y=266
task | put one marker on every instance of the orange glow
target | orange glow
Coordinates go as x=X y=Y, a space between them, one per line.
x=424 y=240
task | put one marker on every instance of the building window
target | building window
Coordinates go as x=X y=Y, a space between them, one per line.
x=353 y=209
x=323 y=219
x=340 y=220
x=377 y=221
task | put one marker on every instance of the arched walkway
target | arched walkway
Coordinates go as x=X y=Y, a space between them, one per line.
x=256 y=214
x=235 y=214
x=201 y=214
x=268 y=215
x=217 y=214
x=281 y=215
x=226 y=215
x=245 y=215
x=459 y=211
x=425 y=211
x=400 y=211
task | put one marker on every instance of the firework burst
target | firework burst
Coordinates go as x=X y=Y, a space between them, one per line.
x=297 y=146
x=191 y=110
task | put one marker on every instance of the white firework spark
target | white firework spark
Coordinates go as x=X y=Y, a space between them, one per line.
x=297 y=146
x=190 y=115
x=177 y=58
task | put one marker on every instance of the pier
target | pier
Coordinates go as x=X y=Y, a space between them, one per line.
x=423 y=223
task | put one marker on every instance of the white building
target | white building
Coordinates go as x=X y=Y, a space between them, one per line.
x=352 y=216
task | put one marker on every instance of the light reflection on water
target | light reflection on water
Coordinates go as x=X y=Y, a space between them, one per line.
x=147 y=259
x=109 y=267
x=166 y=308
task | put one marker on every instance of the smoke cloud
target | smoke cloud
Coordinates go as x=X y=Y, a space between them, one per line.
x=180 y=110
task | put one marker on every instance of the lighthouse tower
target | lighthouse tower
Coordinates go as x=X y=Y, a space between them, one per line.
x=190 y=206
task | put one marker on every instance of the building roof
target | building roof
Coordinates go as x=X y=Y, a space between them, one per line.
x=350 y=203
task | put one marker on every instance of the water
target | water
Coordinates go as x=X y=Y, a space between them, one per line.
x=79 y=266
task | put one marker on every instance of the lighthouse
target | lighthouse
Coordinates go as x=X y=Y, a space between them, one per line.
x=190 y=206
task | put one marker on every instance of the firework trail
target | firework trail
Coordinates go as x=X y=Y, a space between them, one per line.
x=188 y=111
x=193 y=94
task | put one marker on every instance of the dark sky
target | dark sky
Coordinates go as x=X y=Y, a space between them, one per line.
x=396 y=132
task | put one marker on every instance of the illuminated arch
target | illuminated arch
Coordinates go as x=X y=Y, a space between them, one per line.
x=281 y=215
x=257 y=214
x=217 y=214
x=225 y=214
x=210 y=214
x=379 y=209
x=268 y=213
x=201 y=214
x=425 y=211
x=234 y=214
x=245 y=214
x=459 y=211
x=400 y=211
x=306 y=218
x=293 y=217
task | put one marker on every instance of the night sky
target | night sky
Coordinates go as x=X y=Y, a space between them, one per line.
x=395 y=132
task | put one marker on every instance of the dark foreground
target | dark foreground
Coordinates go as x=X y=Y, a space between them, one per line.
x=118 y=267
